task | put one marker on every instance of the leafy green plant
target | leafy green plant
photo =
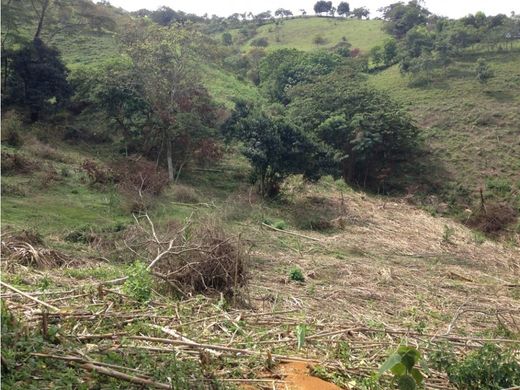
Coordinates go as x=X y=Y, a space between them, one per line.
x=296 y=275
x=489 y=367
x=301 y=331
x=139 y=282
x=402 y=364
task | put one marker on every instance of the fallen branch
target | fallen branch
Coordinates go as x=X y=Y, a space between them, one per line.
x=290 y=233
x=28 y=296
x=125 y=377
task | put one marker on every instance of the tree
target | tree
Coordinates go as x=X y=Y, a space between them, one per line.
x=38 y=79
x=343 y=8
x=114 y=87
x=400 y=17
x=285 y=68
x=389 y=52
x=482 y=71
x=165 y=61
x=283 y=12
x=303 y=12
x=367 y=131
x=275 y=148
x=377 y=55
x=227 y=39
x=361 y=12
x=322 y=7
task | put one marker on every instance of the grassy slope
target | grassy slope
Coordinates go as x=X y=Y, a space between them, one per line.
x=472 y=128
x=299 y=33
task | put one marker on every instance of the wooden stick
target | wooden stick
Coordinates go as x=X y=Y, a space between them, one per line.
x=290 y=233
x=124 y=377
x=28 y=296
x=217 y=348
x=181 y=337
x=81 y=360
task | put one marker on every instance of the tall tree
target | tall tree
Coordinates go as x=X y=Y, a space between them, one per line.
x=343 y=8
x=322 y=7
x=165 y=61
x=39 y=79
x=400 y=17
x=361 y=12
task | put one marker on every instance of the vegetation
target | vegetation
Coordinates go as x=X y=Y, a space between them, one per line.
x=209 y=186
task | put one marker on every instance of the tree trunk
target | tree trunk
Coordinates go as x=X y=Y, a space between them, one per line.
x=169 y=158
x=45 y=4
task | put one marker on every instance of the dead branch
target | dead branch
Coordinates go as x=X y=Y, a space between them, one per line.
x=28 y=296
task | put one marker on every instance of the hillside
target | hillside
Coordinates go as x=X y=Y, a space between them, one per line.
x=299 y=33
x=472 y=128
x=381 y=271
x=156 y=235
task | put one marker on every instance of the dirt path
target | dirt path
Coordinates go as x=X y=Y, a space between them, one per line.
x=297 y=377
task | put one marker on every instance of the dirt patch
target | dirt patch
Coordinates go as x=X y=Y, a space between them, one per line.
x=297 y=377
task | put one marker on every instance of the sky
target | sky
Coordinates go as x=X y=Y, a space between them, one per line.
x=450 y=8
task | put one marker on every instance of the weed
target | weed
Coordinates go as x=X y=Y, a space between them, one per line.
x=296 y=275
x=448 y=233
x=139 y=282
x=301 y=331
x=479 y=238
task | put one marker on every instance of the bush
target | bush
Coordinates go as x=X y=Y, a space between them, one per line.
x=319 y=40
x=44 y=151
x=140 y=175
x=185 y=194
x=139 y=282
x=96 y=173
x=260 y=42
x=490 y=367
x=493 y=218
x=15 y=163
x=296 y=275
x=208 y=152
x=11 y=126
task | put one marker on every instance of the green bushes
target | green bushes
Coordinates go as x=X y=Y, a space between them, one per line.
x=488 y=368
x=139 y=282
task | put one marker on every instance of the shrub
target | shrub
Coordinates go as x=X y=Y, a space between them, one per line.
x=13 y=190
x=15 y=163
x=490 y=367
x=96 y=173
x=139 y=282
x=296 y=275
x=260 y=42
x=215 y=264
x=208 y=152
x=140 y=175
x=319 y=40
x=493 y=218
x=44 y=151
x=185 y=194
x=11 y=126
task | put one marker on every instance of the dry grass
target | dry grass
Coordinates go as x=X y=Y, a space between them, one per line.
x=389 y=274
x=27 y=249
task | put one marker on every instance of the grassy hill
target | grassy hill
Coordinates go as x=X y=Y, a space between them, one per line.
x=473 y=129
x=299 y=33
